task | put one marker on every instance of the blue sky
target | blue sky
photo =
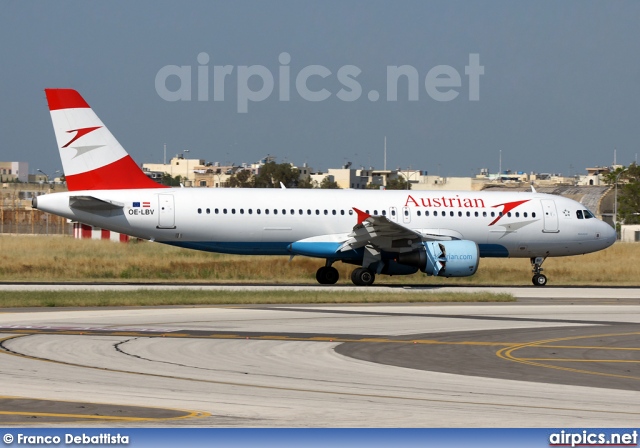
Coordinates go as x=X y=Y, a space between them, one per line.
x=560 y=89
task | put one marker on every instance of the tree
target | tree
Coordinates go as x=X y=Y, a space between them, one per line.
x=242 y=179
x=272 y=174
x=328 y=184
x=171 y=181
x=629 y=195
x=399 y=183
x=305 y=183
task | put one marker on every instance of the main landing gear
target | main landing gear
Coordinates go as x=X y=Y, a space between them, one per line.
x=327 y=275
x=538 y=278
x=363 y=277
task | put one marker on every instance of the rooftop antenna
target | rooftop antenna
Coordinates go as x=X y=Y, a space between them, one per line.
x=614 y=156
x=385 y=153
x=164 y=162
x=500 y=165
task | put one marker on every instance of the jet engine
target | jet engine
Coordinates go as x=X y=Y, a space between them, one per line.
x=444 y=258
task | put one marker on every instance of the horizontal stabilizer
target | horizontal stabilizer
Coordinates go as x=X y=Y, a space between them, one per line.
x=92 y=203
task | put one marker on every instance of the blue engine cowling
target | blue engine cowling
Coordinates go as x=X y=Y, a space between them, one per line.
x=444 y=258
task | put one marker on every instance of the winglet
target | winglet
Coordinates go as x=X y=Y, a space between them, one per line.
x=361 y=215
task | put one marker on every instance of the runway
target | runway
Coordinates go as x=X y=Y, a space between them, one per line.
x=551 y=362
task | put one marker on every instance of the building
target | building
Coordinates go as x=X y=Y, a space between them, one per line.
x=178 y=166
x=14 y=171
x=630 y=233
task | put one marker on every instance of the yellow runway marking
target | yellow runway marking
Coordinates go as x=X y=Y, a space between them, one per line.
x=579 y=360
x=507 y=354
x=104 y=417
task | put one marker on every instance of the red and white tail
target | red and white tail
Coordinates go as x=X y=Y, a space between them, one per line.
x=92 y=158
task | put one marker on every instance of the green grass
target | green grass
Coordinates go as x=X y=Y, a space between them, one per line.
x=184 y=297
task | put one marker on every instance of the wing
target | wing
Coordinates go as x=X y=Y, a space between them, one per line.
x=386 y=235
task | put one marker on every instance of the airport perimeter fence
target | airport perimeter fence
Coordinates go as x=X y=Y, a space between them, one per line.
x=28 y=221
x=18 y=217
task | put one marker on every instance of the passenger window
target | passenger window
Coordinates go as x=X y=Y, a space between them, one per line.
x=293 y=212
x=317 y=212
x=266 y=211
x=493 y=214
x=326 y=212
x=484 y=214
x=200 y=211
x=216 y=211
x=308 y=212
x=450 y=213
x=435 y=213
x=426 y=213
x=233 y=211
x=406 y=213
x=284 y=212
x=342 y=212
x=333 y=212
x=351 y=212
x=393 y=213
x=460 y=214
x=468 y=214
x=242 y=211
x=525 y=214
x=250 y=211
x=224 y=211
x=476 y=214
x=579 y=214
x=258 y=211
x=300 y=212
x=419 y=213
x=208 y=211
x=517 y=214
x=384 y=213
x=533 y=214
x=509 y=214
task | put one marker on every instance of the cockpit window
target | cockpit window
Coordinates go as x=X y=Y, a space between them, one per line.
x=588 y=214
x=579 y=214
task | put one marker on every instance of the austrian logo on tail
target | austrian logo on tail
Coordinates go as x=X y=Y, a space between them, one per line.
x=80 y=132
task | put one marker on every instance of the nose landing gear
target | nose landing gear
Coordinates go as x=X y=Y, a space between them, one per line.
x=538 y=278
x=327 y=275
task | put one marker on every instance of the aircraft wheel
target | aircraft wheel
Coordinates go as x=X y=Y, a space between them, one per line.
x=362 y=277
x=331 y=275
x=321 y=275
x=539 y=280
x=327 y=275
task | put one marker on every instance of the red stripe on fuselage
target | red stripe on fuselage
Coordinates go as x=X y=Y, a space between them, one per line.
x=64 y=99
x=120 y=175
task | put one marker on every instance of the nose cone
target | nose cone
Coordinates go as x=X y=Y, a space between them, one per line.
x=608 y=234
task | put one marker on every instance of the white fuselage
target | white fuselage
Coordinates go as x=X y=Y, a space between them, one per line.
x=267 y=221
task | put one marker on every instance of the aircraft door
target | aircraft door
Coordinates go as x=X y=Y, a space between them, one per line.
x=549 y=216
x=166 y=217
x=406 y=215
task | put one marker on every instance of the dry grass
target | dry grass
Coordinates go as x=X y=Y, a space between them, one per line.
x=47 y=259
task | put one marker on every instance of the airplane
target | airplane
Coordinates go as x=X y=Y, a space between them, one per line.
x=380 y=232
